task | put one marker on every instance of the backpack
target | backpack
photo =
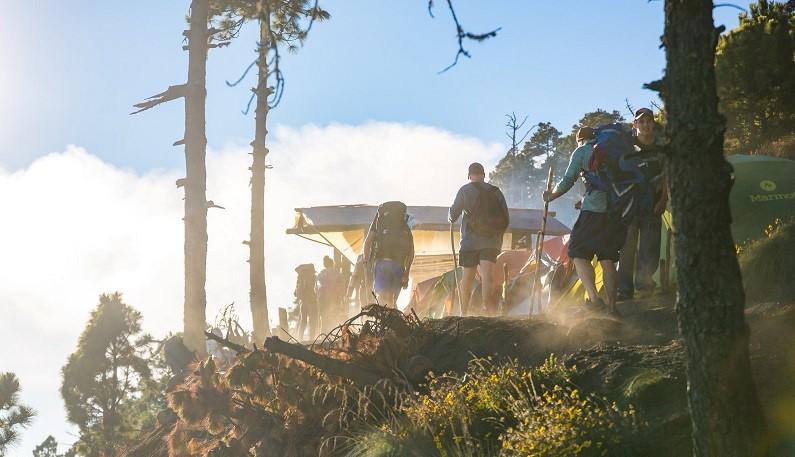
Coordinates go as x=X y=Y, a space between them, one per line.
x=393 y=237
x=616 y=169
x=489 y=217
x=305 y=283
x=329 y=285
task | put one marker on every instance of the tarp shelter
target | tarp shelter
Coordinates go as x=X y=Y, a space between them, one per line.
x=763 y=191
x=435 y=297
x=344 y=227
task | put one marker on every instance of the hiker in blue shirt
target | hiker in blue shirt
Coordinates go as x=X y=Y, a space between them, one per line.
x=594 y=233
x=644 y=232
x=476 y=250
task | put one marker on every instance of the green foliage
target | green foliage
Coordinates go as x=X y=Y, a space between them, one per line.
x=640 y=380
x=49 y=448
x=283 y=25
x=500 y=408
x=103 y=380
x=767 y=264
x=562 y=421
x=755 y=71
x=13 y=414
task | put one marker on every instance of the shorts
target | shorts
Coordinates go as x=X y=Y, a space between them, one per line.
x=388 y=276
x=596 y=234
x=469 y=259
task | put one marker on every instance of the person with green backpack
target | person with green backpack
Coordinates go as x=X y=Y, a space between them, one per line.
x=485 y=220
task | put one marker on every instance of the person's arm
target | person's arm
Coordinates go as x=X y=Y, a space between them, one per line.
x=569 y=177
x=409 y=261
x=457 y=208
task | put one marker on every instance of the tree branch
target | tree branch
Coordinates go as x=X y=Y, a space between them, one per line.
x=461 y=34
x=328 y=365
x=173 y=92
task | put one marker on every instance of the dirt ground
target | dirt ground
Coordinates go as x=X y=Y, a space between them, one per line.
x=638 y=360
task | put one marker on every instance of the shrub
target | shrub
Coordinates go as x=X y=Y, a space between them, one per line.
x=562 y=422
x=767 y=264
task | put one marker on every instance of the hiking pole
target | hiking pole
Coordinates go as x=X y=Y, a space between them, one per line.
x=535 y=294
x=455 y=270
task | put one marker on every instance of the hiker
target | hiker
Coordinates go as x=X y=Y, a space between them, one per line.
x=358 y=286
x=484 y=222
x=595 y=233
x=329 y=294
x=389 y=247
x=306 y=299
x=644 y=232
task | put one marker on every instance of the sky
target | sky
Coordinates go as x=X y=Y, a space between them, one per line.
x=90 y=204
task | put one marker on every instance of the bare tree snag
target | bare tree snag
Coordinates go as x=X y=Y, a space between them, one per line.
x=196 y=185
x=258 y=298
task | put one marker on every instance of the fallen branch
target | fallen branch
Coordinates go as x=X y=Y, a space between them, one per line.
x=330 y=366
x=226 y=343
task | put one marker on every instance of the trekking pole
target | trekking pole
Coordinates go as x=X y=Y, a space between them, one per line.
x=535 y=294
x=455 y=270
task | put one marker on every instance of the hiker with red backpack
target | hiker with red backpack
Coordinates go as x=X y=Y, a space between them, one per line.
x=640 y=255
x=389 y=247
x=484 y=222
x=598 y=230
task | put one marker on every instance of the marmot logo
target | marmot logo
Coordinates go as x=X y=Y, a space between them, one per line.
x=767 y=186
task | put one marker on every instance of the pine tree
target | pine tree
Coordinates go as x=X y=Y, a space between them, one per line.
x=14 y=415
x=755 y=69
x=102 y=379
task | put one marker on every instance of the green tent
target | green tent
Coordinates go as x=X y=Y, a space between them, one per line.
x=763 y=191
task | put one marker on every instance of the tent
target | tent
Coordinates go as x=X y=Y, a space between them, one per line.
x=344 y=228
x=763 y=191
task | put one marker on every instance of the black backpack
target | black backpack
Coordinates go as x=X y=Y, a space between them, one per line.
x=392 y=233
x=488 y=218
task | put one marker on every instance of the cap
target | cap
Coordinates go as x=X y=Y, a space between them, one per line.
x=639 y=113
x=585 y=133
x=476 y=169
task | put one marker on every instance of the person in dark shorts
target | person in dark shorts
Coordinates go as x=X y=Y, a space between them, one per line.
x=594 y=233
x=476 y=251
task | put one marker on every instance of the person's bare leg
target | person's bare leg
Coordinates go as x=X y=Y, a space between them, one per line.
x=467 y=279
x=487 y=286
x=587 y=276
x=610 y=280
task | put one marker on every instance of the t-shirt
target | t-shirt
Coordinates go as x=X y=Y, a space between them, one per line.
x=593 y=200
x=654 y=170
x=463 y=204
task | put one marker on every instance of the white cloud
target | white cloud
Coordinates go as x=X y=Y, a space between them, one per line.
x=76 y=227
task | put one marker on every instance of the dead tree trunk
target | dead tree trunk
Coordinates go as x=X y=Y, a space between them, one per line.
x=258 y=292
x=196 y=179
x=333 y=367
x=725 y=411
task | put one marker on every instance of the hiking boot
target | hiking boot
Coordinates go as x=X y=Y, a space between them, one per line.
x=624 y=296
x=646 y=293
x=613 y=313
x=595 y=306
